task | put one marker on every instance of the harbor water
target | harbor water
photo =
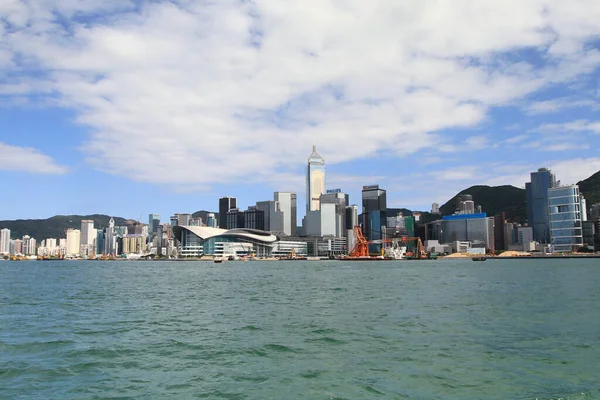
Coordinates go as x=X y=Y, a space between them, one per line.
x=445 y=329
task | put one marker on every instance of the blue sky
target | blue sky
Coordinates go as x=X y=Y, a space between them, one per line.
x=130 y=108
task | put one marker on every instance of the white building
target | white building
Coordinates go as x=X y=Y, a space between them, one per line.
x=73 y=242
x=5 y=241
x=315 y=180
x=287 y=205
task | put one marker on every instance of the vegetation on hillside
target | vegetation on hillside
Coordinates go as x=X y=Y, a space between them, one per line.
x=590 y=188
x=494 y=200
x=56 y=226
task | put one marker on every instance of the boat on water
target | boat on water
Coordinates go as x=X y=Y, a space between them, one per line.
x=479 y=258
x=218 y=260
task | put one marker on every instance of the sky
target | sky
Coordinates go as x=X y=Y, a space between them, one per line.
x=134 y=107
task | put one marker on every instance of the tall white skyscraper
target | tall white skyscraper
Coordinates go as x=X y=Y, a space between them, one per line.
x=4 y=241
x=87 y=232
x=315 y=180
x=73 y=242
x=287 y=205
x=110 y=242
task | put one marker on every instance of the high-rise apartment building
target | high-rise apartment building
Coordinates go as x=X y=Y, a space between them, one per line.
x=29 y=246
x=315 y=180
x=435 y=208
x=225 y=204
x=565 y=217
x=287 y=205
x=537 y=203
x=5 y=241
x=73 y=242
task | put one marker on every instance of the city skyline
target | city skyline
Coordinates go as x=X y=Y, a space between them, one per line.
x=92 y=108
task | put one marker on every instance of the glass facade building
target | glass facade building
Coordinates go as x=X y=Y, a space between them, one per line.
x=474 y=228
x=537 y=203
x=564 y=205
x=374 y=206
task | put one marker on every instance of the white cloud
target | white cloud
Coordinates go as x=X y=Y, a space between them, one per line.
x=194 y=93
x=27 y=159
x=574 y=126
x=516 y=139
x=550 y=106
x=565 y=147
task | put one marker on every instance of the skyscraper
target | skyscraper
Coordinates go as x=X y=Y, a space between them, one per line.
x=374 y=204
x=5 y=241
x=565 y=217
x=153 y=223
x=87 y=236
x=110 y=239
x=287 y=205
x=315 y=180
x=537 y=203
x=73 y=242
x=225 y=204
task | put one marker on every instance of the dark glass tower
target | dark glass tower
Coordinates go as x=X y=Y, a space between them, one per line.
x=225 y=204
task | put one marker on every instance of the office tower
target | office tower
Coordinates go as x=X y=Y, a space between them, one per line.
x=287 y=205
x=254 y=218
x=225 y=204
x=99 y=241
x=351 y=216
x=374 y=206
x=339 y=199
x=565 y=218
x=583 y=207
x=273 y=216
x=73 y=242
x=110 y=239
x=153 y=223
x=315 y=180
x=211 y=221
x=537 y=203
x=183 y=219
x=87 y=232
x=5 y=241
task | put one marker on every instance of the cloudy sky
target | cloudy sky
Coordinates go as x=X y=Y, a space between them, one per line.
x=131 y=107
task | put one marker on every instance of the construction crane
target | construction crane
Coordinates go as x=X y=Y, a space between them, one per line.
x=420 y=249
x=361 y=249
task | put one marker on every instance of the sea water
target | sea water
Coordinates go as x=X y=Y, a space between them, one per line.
x=445 y=329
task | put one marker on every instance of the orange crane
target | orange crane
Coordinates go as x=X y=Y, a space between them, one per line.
x=361 y=249
x=419 y=251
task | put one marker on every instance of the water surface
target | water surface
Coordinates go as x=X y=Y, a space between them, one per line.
x=443 y=329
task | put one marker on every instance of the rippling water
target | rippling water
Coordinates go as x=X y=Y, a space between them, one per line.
x=300 y=330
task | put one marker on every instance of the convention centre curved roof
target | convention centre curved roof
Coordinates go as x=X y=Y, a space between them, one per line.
x=205 y=232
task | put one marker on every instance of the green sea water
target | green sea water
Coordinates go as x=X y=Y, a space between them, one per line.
x=527 y=329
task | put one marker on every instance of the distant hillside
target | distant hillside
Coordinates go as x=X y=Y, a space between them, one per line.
x=494 y=200
x=56 y=226
x=590 y=188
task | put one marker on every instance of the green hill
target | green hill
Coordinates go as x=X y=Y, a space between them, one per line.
x=56 y=226
x=494 y=200
x=590 y=188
